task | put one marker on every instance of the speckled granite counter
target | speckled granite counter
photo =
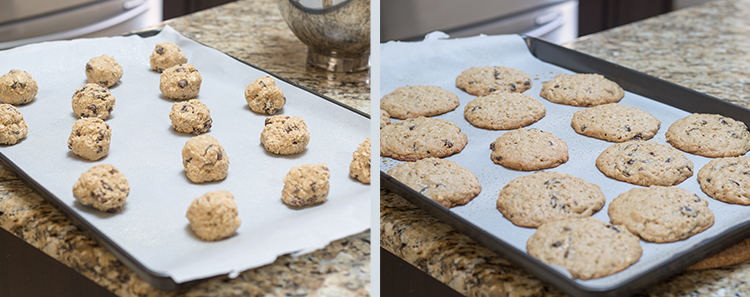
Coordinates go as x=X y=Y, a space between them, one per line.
x=704 y=48
x=253 y=31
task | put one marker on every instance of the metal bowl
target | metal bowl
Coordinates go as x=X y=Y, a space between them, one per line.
x=336 y=32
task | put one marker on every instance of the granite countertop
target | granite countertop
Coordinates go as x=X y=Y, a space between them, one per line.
x=704 y=48
x=252 y=31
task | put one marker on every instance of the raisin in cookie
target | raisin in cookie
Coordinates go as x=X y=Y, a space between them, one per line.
x=102 y=187
x=306 y=185
x=581 y=90
x=166 y=55
x=214 y=215
x=419 y=138
x=727 y=179
x=385 y=118
x=90 y=138
x=180 y=82
x=615 y=123
x=414 y=101
x=103 y=71
x=531 y=200
x=93 y=100
x=661 y=214
x=17 y=87
x=359 y=168
x=204 y=159
x=484 y=80
x=190 y=116
x=709 y=135
x=443 y=181
x=13 y=127
x=529 y=149
x=504 y=111
x=285 y=135
x=586 y=247
x=645 y=163
x=263 y=96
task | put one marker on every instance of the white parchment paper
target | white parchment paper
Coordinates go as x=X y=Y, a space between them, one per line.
x=152 y=227
x=436 y=61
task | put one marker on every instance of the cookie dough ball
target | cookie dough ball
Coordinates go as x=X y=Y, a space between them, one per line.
x=17 y=87
x=165 y=55
x=263 y=96
x=90 y=138
x=306 y=185
x=180 y=82
x=213 y=216
x=204 y=159
x=360 y=166
x=285 y=135
x=104 y=71
x=93 y=100
x=102 y=187
x=12 y=126
x=191 y=116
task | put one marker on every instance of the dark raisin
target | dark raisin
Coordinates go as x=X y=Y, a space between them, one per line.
x=448 y=143
x=492 y=146
x=735 y=182
x=496 y=74
x=584 y=127
x=553 y=202
x=185 y=108
x=668 y=160
x=99 y=149
x=627 y=128
x=512 y=87
x=93 y=108
x=475 y=108
x=268 y=121
x=412 y=127
x=104 y=82
x=631 y=161
x=551 y=143
x=262 y=84
x=313 y=186
x=723 y=122
x=182 y=83
x=498 y=158
x=688 y=211
x=557 y=244
x=551 y=182
x=638 y=136
x=88 y=67
x=492 y=90
x=219 y=155
x=610 y=226
x=159 y=50
x=527 y=83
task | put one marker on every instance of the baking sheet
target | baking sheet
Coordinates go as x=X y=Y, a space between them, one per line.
x=152 y=228
x=438 y=62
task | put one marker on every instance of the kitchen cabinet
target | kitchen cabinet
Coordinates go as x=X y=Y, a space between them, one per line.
x=600 y=15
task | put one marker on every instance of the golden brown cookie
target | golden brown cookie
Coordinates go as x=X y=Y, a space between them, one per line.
x=709 y=135
x=581 y=90
x=443 y=181
x=504 y=111
x=645 y=163
x=727 y=179
x=419 y=138
x=415 y=101
x=616 y=123
x=484 y=80
x=529 y=149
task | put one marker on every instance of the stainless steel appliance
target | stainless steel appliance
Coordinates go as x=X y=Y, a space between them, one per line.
x=29 y=21
x=552 y=20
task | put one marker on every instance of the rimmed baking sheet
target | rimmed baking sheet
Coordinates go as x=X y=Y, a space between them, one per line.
x=438 y=62
x=152 y=234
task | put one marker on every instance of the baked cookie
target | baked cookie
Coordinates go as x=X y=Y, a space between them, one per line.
x=263 y=96
x=645 y=163
x=484 y=80
x=385 y=118
x=190 y=116
x=166 y=55
x=285 y=135
x=93 y=100
x=204 y=159
x=103 y=71
x=615 y=123
x=306 y=185
x=661 y=214
x=586 y=247
x=17 y=87
x=360 y=166
x=214 y=216
x=581 y=90
x=709 y=135
x=102 y=187
x=443 y=181
x=13 y=127
x=414 y=101
x=180 y=82
x=504 y=111
x=532 y=200
x=90 y=138
x=419 y=138
x=727 y=179
x=529 y=149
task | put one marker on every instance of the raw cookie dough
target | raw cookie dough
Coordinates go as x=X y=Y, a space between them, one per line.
x=190 y=116
x=180 y=82
x=204 y=159
x=12 y=125
x=90 y=138
x=360 y=166
x=529 y=149
x=263 y=96
x=504 y=111
x=306 y=185
x=481 y=81
x=17 y=87
x=414 y=101
x=419 y=138
x=443 y=181
x=104 y=71
x=93 y=100
x=581 y=90
x=385 y=119
x=727 y=179
x=102 y=187
x=285 y=135
x=709 y=135
x=645 y=163
x=213 y=216
x=166 y=55
x=616 y=123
